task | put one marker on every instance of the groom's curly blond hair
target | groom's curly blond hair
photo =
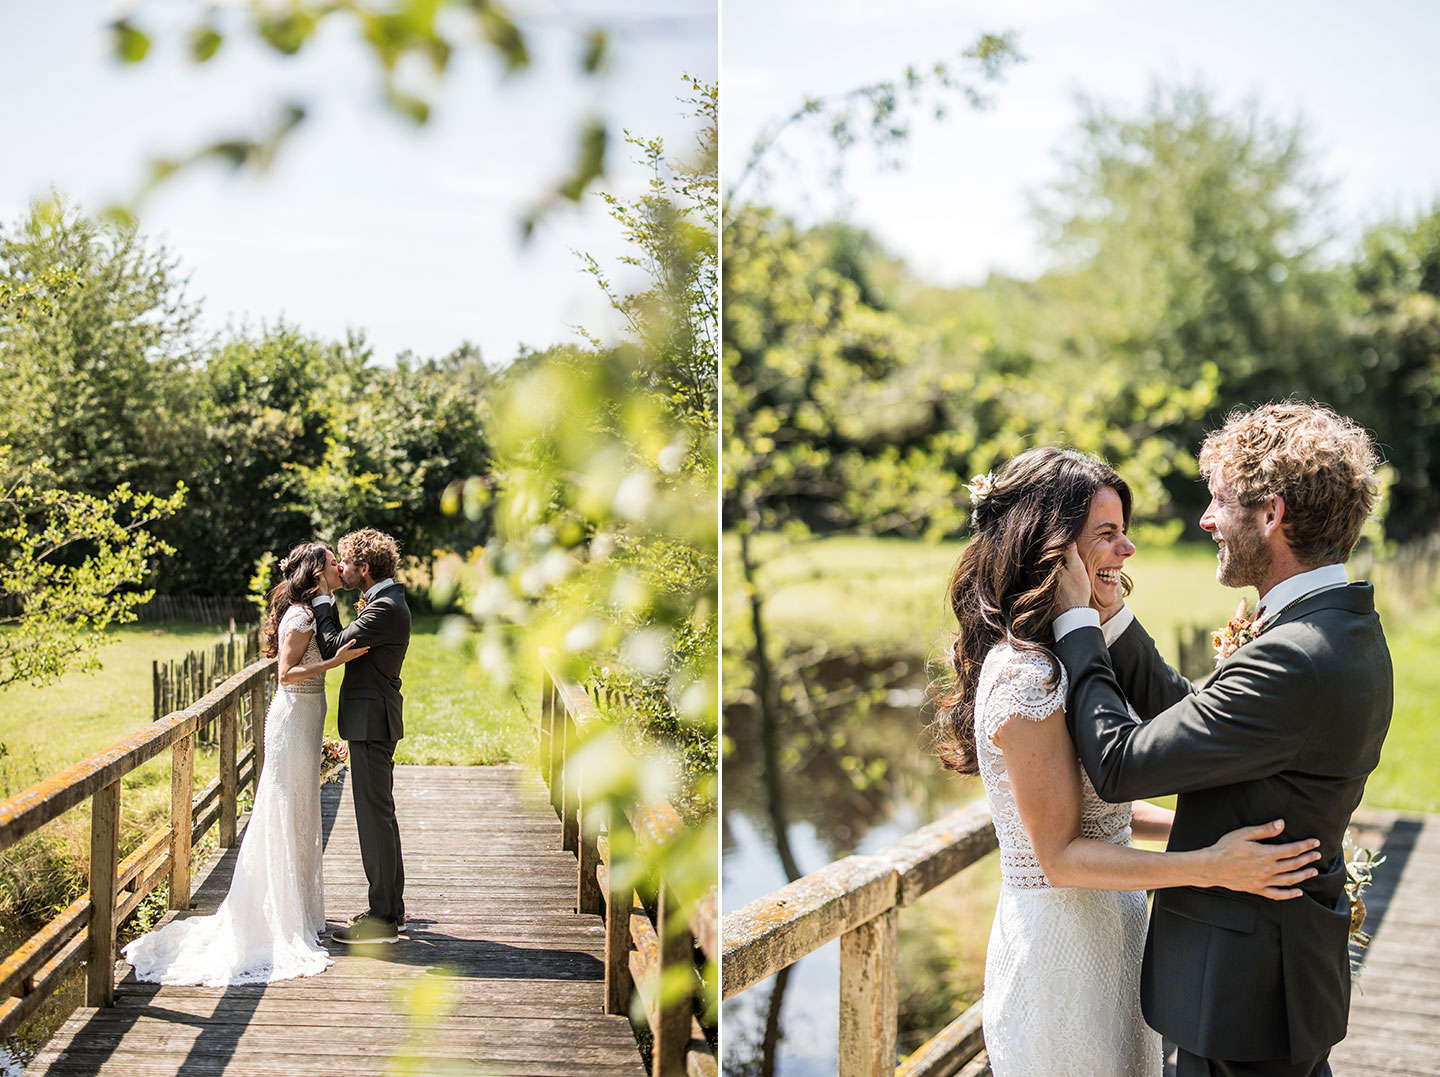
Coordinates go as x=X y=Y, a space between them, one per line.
x=1321 y=463
x=370 y=547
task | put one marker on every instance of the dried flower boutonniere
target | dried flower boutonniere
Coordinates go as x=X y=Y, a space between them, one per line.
x=1238 y=631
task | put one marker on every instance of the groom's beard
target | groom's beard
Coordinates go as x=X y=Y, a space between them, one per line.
x=1246 y=559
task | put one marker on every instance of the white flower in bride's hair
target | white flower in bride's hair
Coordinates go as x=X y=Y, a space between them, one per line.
x=981 y=487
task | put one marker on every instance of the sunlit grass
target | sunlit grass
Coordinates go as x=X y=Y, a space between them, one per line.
x=886 y=595
x=889 y=594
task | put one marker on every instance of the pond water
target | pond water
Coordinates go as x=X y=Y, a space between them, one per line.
x=849 y=782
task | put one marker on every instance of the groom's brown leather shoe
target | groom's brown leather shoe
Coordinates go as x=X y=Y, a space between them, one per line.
x=368 y=929
x=362 y=915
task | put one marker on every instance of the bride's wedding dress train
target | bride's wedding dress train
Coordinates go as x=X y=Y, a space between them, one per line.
x=267 y=926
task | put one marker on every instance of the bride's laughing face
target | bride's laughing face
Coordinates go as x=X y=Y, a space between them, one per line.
x=1104 y=548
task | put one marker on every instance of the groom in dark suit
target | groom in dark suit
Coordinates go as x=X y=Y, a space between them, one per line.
x=370 y=719
x=1287 y=727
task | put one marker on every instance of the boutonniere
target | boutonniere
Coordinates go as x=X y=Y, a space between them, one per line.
x=1238 y=631
x=359 y=604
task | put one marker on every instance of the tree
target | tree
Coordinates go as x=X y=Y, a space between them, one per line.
x=95 y=381
x=1189 y=280
x=1397 y=344
x=262 y=412
x=393 y=446
x=60 y=610
x=674 y=322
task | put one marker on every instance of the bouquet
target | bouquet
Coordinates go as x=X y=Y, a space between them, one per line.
x=333 y=756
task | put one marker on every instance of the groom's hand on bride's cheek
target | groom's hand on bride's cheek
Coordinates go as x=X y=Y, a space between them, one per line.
x=1074 y=588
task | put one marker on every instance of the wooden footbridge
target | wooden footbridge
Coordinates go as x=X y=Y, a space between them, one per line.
x=508 y=964
x=1394 y=1016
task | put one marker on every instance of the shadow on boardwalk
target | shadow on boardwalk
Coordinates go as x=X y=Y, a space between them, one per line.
x=492 y=930
x=1395 y=1010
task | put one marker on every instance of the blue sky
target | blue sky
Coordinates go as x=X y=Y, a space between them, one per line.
x=1364 y=78
x=365 y=222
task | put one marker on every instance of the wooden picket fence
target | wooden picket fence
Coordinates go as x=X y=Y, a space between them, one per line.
x=665 y=936
x=205 y=609
x=85 y=932
x=177 y=684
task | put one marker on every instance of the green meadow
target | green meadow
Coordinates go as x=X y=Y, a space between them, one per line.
x=887 y=596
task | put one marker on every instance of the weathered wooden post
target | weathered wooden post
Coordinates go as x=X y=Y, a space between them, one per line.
x=569 y=824
x=587 y=892
x=619 y=900
x=229 y=777
x=675 y=1012
x=182 y=771
x=552 y=743
x=257 y=725
x=104 y=849
x=869 y=997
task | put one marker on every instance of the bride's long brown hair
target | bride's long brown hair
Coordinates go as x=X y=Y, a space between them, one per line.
x=300 y=574
x=1003 y=587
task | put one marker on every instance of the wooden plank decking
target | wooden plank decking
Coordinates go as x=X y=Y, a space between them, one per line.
x=1395 y=1011
x=492 y=932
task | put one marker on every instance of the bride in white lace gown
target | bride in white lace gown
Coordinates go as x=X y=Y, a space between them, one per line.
x=266 y=929
x=1062 y=970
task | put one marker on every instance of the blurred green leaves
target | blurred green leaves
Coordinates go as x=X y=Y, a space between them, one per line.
x=399 y=34
x=603 y=507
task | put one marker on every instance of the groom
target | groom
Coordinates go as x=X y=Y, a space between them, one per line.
x=1288 y=727
x=370 y=719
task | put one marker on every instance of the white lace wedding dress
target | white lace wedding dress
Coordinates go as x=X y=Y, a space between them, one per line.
x=1062 y=971
x=266 y=927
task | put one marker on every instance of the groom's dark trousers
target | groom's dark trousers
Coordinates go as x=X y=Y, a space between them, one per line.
x=1289 y=727
x=1188 y=1065
x=370 y=720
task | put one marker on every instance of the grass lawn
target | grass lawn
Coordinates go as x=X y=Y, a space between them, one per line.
x=887 y=595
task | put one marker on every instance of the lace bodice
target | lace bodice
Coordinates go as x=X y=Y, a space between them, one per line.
x=1013 y=683
x=300 y=618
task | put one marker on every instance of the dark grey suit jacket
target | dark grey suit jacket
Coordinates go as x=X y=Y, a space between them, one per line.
x=371 y=707
x=1288 y=727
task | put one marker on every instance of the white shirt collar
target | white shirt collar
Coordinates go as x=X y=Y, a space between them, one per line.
x=1288 y=592
x=386 y=582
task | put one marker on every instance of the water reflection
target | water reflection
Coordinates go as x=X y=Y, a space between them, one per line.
x=855 y=774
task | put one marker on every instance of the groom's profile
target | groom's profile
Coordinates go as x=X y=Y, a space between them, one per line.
x=1289 y=726
x=370 y=719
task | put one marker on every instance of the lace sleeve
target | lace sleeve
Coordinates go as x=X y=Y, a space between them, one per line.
x=298 y=618
x=1028 y=686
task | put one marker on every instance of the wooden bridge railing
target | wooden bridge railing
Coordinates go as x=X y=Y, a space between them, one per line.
x=662 y=945
x=857 y=900
x=85 y=931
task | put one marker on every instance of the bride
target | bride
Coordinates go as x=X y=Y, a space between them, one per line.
x=1062 y=970
x=267 y=926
